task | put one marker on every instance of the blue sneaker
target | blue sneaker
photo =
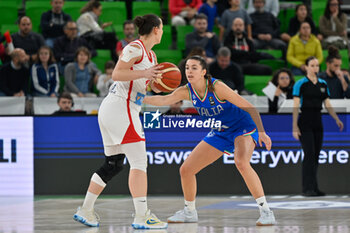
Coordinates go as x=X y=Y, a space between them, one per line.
x=267 y=218
x=148 y=221
x=87 y=217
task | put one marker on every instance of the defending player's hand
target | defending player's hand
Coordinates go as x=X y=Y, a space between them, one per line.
x=264 y=138
x=153 y=73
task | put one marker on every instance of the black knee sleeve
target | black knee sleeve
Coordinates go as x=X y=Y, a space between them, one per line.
x=111 y=167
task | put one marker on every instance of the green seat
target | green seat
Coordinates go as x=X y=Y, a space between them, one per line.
x=34 y=10
x=11 y=27
x=344 y=53
x=256 y=83
x=274 y=52
x=73 y=8
x=8 y=12
x=317 y=11
x=166 y=55
x=182 y=31
x=114 y=12
x=102 y=57
x=144 y=8
x=166 y=38
x=118 y=29
x=275 y=64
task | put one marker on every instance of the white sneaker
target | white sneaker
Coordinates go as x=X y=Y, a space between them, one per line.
x=148 y=221
x=87 y=217
x=183 y=216
x=266 y=218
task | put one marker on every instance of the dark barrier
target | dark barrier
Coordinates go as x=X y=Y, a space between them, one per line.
x=68 y=150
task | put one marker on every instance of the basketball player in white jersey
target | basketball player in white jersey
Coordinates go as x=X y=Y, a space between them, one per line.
x=121 y=128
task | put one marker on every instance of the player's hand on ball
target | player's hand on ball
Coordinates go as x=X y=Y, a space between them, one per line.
x=153 y=73
x=264 y=138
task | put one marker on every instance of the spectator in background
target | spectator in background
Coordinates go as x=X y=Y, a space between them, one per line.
x=65 y=104
x=222 y=5
x=200 y=37
x=175 y=109
x=105 y=80
x=226 y=70
x=284 y=81
x=302 y=46
x=183 y=11
x=337 y=81
x=209 y=9
x=231 y=14
x=333 y=26
x=271 y=6
x=14 y=76
x=65 y=47
x=44 y=74
x=29 y=41
x=129 y=32
x=81 y=75
x=301 y=15
x=243 y=51
x=52 y=22
x=90 y=29
x=265 y=28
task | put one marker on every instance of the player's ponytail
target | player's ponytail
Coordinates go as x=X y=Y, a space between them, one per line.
x=204 y=65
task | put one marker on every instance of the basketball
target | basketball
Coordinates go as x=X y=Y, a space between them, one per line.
x=171 y=77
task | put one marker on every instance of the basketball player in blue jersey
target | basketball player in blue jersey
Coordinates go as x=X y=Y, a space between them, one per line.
x=241 y=129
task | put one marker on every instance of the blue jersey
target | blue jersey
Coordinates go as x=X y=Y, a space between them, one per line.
x=234 y=121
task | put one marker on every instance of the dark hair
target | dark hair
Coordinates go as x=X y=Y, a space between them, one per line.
x=333 y=53
x=146 y=23
x=128 y=22
x=201 y=16
x=307 y=61
x=84 y=50
x=300 y=5
x=89 y=6
x=109 y=65
x=204 y=66
x=275 y=76
x=51 y=58
x=64 y=95
x=196 y=51
x=327 y=12
x=304 y=23
x=66 y=24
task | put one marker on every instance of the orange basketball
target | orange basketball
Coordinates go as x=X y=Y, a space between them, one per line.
x=171 y=77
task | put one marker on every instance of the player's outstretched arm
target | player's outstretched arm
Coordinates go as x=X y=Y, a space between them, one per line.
x=180 y=93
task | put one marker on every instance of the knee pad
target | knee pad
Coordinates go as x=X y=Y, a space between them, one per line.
x=111 y=167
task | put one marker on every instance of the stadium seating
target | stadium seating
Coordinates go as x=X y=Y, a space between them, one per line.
x=113 y=12
x=73 y=8
x=344 y=57
x=34 y=10
x=317 y=11
x=182 y=31
x=11 y=27
x=143 y=8
x=166 y=55
x=8 y=12
x=102 y=57
x=166 y=38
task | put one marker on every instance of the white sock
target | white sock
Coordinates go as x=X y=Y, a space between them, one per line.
x=89 y=201
x=262 y=203
x=190 y=205
x=140 y=204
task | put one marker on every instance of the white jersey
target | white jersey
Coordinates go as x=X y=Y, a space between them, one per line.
x=135 y=90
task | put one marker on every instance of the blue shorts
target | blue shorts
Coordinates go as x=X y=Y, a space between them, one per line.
x=225 y=141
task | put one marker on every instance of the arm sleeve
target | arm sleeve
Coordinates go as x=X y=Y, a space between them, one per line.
x=291 y=57
x=35 y=79
x=69 y=73
x=45 y=22
x=347 y=92
x=100 y=82
x=57 y=76
x=174 y=7
x=275 y=8
x=319 y=53
x=296 y=89
x=324 y=29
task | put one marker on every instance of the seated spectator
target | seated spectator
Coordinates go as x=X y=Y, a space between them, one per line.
x=265 y=28
x=200 y=37
x=183 y=11
x=65 y=47
x=52 y=22
x=105 y=80
x=26 y=39
x=14 y=76
x=199 y=51
x=209 y=9
x=175 y=109
x=302 y=46
x=90 y=29
x=44 y=74
x=226 y=70
x=284 y=81
x=81 y=75
x=301 y=14
x=333 y=26
x=337 y=81
x=129 y=32
x=65 y=104
x=230 y=15
x=271 y=6
x=243 y=51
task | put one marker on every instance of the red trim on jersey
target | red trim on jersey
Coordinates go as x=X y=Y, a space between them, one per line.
x=137 y=62
x=148 y=55
x=131 y=134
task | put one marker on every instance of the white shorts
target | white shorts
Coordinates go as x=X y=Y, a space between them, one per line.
x=119 y=121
